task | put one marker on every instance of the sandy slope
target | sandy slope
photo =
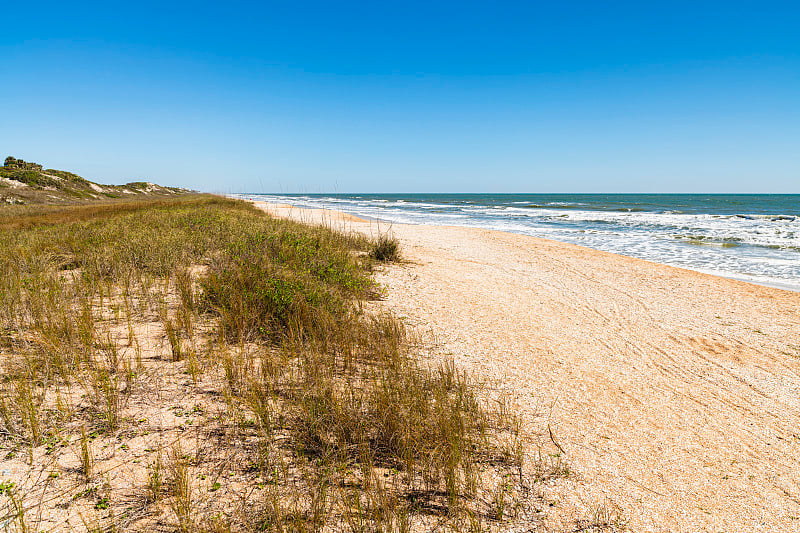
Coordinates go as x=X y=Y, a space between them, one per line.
x=675 y=394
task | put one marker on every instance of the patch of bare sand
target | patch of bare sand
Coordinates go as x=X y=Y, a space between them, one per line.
x=675 y=394
x=160 y=410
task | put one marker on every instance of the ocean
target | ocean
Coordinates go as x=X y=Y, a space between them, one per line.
x=751 y=237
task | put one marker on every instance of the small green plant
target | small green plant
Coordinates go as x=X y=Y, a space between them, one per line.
x=548 y=466
x=103 y=503
x=17 y=505
x=6 y=487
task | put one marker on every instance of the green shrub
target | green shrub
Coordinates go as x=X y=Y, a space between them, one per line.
x=385 y=249
x=30 y=177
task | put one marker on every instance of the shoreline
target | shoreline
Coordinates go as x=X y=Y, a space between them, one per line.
x=674 y=393
x=337 y=216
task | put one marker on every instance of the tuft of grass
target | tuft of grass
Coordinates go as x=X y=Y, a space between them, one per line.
x=385 y=249
x=86 y=457
x=155 y=481
x=604 y=517
x=181 y=502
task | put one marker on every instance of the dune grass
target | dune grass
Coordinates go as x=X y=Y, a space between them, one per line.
x=385 y=249
x=317 y=408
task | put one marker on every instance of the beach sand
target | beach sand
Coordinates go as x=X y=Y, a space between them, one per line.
x=675 y=395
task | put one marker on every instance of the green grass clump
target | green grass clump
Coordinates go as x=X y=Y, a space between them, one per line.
x=284 y=281
x=385 y=249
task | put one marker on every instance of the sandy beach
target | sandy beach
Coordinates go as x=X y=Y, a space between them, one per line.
x=675 y=395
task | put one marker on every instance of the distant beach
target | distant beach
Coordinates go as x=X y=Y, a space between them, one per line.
x=753 y=238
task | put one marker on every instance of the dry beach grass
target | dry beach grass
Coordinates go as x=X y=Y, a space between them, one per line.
x=674 y=395
x=195 y=365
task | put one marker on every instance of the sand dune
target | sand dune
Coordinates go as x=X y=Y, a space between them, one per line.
x=675 y=394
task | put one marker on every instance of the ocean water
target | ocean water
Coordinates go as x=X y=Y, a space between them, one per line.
x=754 y=238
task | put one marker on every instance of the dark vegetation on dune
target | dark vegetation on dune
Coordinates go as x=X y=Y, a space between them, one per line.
x=23 y=182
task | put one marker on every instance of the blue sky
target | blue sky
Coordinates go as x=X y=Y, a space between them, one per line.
x=408 y=96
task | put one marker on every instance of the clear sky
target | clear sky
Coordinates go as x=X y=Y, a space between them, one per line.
x=408 y=96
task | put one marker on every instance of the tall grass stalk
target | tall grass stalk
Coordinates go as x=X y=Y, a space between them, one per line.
x=86 y=457
x=181 y=490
